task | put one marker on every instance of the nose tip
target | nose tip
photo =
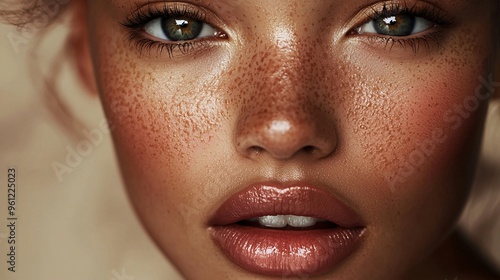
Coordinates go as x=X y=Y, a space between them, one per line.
x=282 y=139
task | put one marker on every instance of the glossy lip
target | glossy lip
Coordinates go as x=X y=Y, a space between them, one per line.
x=286 y=253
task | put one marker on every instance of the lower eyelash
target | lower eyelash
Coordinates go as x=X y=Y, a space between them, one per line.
x=136 y=22
x=145 y=44
x=427 y=41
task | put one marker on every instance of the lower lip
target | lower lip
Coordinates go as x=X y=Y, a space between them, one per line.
x=287 y=253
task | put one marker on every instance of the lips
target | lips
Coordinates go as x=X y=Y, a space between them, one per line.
x=286 y=230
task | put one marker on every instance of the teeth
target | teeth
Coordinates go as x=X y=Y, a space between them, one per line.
x=281 y=221
x=301 y=221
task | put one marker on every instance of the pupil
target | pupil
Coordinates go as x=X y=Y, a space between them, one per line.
x=181 y=28
x=390 y=20
x=398 y=25
x=181 y=22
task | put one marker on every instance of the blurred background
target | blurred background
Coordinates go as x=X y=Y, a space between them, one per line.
x=74 y=223
x=74 y=220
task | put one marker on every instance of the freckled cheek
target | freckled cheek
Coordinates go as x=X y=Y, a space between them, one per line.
x=446 y=114
x=162 y=134
x=423 y=159
x=415 y=130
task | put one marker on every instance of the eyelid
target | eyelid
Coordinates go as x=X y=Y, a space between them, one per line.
x=137 y=20
x=147 y=12
x=425 y=10
x=140 y=16
x=430 y=40
x=421 y=25
x=157 y=31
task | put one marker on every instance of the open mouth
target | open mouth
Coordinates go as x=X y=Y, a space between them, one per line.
x=278 y=230
x=287 y=222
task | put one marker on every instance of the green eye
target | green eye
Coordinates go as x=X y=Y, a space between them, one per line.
x=179 y=28
x=400 y=25
x=396 y=25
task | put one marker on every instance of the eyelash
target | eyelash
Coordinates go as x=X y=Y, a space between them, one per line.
x=138 y=20
x=428 y=12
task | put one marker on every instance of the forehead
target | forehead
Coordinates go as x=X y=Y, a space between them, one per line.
x=299 y=3
x=289 y=8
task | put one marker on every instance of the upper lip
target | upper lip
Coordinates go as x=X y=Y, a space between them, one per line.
x=271 y=198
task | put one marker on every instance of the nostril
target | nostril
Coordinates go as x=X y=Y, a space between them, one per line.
x=283 y=139
x=309 y=149
x=256 y=149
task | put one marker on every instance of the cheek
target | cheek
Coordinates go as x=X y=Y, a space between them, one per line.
x=163 y=119
x=420 y=125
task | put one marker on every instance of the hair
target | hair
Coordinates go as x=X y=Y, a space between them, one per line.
x=37 y=18
x=27 y=13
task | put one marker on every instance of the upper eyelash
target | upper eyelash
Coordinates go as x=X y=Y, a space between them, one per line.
x=138 y=19
x=426 y=11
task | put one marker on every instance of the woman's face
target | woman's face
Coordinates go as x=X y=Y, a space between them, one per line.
x=364 y=114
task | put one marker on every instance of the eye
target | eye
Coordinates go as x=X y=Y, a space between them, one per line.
x=179 y=28
x=396 y=25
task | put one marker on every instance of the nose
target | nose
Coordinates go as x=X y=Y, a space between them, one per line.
x=286 y=111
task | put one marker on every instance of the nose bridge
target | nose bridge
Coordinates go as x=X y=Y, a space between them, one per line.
x=282 y=112
x=285 y=71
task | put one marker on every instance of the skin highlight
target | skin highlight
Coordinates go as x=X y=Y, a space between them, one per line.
x=290 y=96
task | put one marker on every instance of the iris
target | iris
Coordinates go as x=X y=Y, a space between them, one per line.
x=181 y=28
x=397 y=25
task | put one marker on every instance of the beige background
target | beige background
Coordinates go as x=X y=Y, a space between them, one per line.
x=83 y=227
